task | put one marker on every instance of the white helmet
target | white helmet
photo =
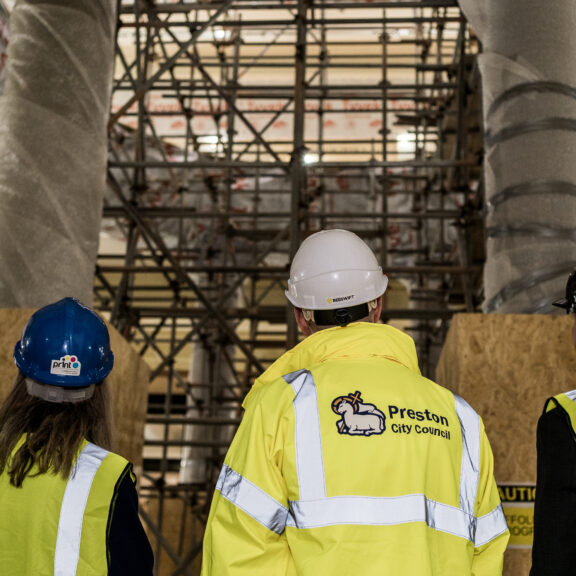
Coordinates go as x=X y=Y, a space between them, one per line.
x=334 y=269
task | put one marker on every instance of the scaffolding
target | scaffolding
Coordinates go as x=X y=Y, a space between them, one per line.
x=238 y=128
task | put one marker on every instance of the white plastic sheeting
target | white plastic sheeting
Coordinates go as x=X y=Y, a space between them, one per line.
x=3 y=43
x=529 y=100
x=210 y=375
x=345 y=192
x=53 y=148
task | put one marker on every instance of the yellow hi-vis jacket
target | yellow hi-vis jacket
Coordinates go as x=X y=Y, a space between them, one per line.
x=349 y=462
x=51 y=526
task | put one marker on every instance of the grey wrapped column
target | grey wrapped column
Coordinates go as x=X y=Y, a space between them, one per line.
x=529 y=100
x=53 y=148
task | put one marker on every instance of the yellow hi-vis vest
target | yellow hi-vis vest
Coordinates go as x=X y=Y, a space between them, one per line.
x=568 y=401
x=349 y=462
x=53 y=527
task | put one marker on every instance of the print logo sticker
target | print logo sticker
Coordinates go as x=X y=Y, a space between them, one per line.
x=358 y=418
x=66 y=366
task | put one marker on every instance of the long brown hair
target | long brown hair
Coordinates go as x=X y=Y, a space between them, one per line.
x=52 y=433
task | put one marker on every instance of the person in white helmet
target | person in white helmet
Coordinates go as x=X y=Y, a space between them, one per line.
x=347 y=460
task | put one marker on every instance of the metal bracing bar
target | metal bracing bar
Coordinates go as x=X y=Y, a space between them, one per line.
x=127 y=68
x=283 y=110
x=278 y=237
x=348 y=43
x=459 y=153
x=164 y=460
x=384 y=134
x=230 y=101
x=248 y=6
x=278 y=313
x=188 y=559
x=180 y=273
x=168 y=63
x=255 y=59
x=403 y=96
x=353 y=65
x=138 y=181
x=314 y=60
x=239 y=113
x=161 y=539
x=341 y=23
x=189 y=443
x=180 y=98
x=280 y=272
x=432 y=164
x=432 y=138
x=150 y=339
x=180 y=420
x=314 y=92
x=354 y=109
x=228 y=98
x=165 y=359
x=180 y=212
x=231 y=132
x=298 y=168
x=186 y=7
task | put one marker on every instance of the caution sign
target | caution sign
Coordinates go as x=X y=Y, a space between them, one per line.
x=518 y=505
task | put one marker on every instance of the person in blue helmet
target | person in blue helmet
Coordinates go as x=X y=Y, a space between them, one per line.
x=68 y=504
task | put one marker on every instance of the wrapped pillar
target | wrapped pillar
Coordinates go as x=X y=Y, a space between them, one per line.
x=529 y=101
x=53 y=148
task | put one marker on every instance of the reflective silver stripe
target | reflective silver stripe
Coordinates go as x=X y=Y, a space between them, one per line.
x=470 y=469
x=365 y=510
x=252 y=500
x=571 y=395
x=309 y=459
x=490 y=526
x=67 y=550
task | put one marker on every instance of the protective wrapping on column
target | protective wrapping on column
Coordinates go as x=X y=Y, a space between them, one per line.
x=53 y=148
x=529 y=104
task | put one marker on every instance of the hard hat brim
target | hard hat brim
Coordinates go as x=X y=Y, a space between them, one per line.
x=363 y=287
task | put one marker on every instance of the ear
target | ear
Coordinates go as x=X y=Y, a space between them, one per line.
x=301 y=321
x=377 y=312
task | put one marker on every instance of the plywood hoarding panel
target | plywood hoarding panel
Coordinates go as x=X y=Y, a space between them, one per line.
x=506 y=366
x=128 y=382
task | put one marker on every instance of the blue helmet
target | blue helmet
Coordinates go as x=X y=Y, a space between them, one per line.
x=65 y=344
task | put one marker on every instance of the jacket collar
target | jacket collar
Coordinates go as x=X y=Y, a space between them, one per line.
x=358 y=340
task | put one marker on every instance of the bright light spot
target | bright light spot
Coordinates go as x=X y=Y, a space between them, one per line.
x=220 y=34
x=310 y=158
x=209 y=139
x=212 y=143
x=405 y=142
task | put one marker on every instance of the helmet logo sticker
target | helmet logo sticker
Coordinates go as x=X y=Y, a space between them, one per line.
x=340 y=299
x=66 y=366
x=358 y=418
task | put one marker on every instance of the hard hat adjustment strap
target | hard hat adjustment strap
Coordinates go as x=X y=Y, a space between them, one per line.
x=341 y=316
x=58 y=394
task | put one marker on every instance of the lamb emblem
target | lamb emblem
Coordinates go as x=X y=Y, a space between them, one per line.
x=358 y=418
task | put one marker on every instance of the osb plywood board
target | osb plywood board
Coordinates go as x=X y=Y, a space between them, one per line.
x=181 y=531
x=506 y=366
x=128 y=383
